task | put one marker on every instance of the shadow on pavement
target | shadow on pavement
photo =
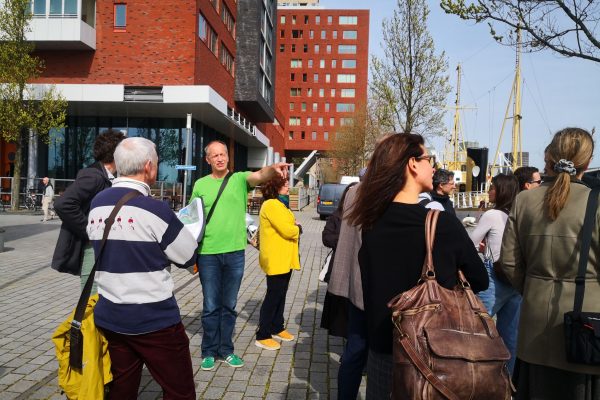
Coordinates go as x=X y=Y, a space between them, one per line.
x=16 y=232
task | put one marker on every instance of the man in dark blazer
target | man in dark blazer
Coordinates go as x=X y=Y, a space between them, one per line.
x=73 y=253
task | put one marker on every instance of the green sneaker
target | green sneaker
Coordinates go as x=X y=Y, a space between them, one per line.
x=234 y=361
x=208 y=363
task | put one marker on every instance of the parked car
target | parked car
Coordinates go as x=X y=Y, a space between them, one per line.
x=329 y=198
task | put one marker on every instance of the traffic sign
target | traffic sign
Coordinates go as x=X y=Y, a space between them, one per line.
x=186 y=167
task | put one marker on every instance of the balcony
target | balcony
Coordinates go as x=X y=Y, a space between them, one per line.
x=63 y=24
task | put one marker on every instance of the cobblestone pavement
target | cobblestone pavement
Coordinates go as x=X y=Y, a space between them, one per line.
x=34 y=299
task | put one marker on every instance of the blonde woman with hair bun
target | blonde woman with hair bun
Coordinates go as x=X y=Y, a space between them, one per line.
x=540 y=256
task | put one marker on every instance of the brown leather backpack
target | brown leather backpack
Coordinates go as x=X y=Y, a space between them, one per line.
x=446 y=345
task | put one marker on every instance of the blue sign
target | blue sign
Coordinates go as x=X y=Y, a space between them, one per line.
x=186 y=167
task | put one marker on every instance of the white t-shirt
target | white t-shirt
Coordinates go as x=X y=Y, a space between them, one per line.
x=491 y=227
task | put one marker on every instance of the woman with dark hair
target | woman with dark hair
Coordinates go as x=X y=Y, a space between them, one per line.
x=500 y=298
x=279 y=236
x=393 y=244
x=540 y=257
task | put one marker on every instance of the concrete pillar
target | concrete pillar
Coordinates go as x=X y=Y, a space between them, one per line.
x=32 y=159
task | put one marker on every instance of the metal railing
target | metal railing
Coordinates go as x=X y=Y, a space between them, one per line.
x=470 y=199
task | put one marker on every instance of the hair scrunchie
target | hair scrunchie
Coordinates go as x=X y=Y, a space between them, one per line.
x=565 y=166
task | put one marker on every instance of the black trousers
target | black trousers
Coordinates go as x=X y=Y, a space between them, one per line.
x=271 y=311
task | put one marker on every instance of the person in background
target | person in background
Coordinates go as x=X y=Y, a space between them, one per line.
x=47 y=199
x=279 y=237
x=136 y=309
x=393 y=244
x=529 y=178
x=73 y=207
x=540 y=257
x=221 y=257
x=500 y=298
x=443 y=187
x=335 y=308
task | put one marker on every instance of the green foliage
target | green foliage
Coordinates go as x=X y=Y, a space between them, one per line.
x=567 y=28
x=410 y=80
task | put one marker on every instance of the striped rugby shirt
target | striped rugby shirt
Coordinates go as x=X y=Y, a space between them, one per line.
x=134 y=283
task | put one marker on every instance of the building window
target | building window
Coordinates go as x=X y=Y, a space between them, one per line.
x=291 y=106
x=293 y=48
x=296 y=63
x=297 y=33
x=314 y=107
x=329 y=19
x=39 y=7
x=316 y=78
x=304 y=77
x=120 y=16
x=335 y=34
x=331 y=121
x=226 y=59
x=282 y=19
x=311 y=34
x=282 y=33
x=306 y=19
x=228 y=19
x=328 y=49
x=292 y=77
x=346 y=49
x=333 y=63
x=308 y=121
x=303 y=106
x=320 y=121
x=346 y=78
x=346 y=121
x=348 y=63
x=332 y=92
x=322 y=64
x=302 y=135
x=348 y=93
x=317 y=19
x=55 y=7
x=310 y=63
x=314 y=135
x=327 y=78
x=291 y=135
x=282 y=48
x=326 y=107
x=293 y=20
x=207 y=34
x=326 y=136
x=295 y=92
x=323 y=34
x=305 y=48
x=316 y=49
x=344 y=107
x=294 y=121
x=347 y=20
x=349 y=35
x=309 y=92
x=321 y=92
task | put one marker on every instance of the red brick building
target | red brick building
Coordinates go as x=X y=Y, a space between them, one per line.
x=142 y=66
x=321 y=74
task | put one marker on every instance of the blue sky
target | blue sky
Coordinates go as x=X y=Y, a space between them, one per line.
x=557 y=91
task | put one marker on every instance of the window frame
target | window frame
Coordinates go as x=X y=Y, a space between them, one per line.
x=116 y=7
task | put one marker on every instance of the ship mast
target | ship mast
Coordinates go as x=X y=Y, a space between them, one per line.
x=455 y=153
x=515 y=97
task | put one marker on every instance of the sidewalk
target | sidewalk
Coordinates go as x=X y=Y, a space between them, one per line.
x=34 y=299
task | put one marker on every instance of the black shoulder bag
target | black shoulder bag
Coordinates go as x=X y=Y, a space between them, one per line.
x=582 y=329
x=75 y=334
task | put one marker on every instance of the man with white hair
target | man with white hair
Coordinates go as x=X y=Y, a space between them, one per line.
x=221 y=253
x=137 y=310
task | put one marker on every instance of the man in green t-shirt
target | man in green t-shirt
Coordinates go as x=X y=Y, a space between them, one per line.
x=221 y=252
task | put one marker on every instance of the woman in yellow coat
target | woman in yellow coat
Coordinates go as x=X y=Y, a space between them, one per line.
x=279 y=235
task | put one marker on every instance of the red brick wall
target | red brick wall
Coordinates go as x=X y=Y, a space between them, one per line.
x=283 y=82
x=157 y=48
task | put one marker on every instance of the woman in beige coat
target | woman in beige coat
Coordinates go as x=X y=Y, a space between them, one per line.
x=540 y=253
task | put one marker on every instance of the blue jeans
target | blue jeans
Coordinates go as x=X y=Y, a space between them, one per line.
x=503 y=301
x=354 y=358
x=221 y=277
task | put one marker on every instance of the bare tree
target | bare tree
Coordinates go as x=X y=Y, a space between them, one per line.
x=568 y=28
x=410 y=80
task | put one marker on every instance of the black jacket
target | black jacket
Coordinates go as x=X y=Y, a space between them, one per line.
x=444 y=200
x=73 y=207
x=331 y=233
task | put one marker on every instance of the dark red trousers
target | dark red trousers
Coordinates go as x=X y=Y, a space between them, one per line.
x=166 y=353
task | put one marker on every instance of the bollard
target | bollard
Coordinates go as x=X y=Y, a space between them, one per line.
x=1 y=240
